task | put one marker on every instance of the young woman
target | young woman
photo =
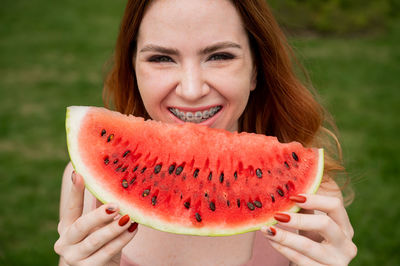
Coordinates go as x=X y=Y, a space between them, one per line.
x=228 y=61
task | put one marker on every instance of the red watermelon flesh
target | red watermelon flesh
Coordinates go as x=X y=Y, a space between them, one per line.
x=188 y=179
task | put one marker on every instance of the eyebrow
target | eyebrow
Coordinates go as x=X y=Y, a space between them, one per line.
x=218 y=46
x=160 y=49
x=173 y=51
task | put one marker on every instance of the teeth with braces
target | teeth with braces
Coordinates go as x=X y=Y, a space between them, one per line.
x=197 y=117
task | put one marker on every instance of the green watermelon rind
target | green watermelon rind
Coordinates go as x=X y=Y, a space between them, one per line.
x=74 y=117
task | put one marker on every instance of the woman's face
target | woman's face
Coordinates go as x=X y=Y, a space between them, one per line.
x=193 y=63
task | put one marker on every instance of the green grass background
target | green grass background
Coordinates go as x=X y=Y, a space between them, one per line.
x=52 y=55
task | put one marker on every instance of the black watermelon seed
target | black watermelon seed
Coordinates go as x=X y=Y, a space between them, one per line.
x=106 y=161
x=133 y=180
x=221 y=178
x=198 y=217
x=259 y=173
x=154 y=200
x=186 y=204
x=235 y=175
x=272 y=197
x=179 y=170
x=118 y=169
x=146 y=192
x=144 y=169
x=287 y=165
x=210 y=176
x=196 y=173
x=280 y=192
x=103 y=132
x=212 y=206
x=228 y=203
x=136 y=167
x=124 y=169
x=269 y=172
x=287 y=187
x=238 y=203
x=294 y=155
x=257 y=203
x=115 y=161
x=125 y=183
x=157 y=169
x=126 y=153
x=206 y=194
x=171 y=168
x=250 y=206
x=110 y=137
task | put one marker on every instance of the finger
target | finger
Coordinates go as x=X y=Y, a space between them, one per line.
x=320 y=223
x=113 y=246
x=295 y=242
x=85 y=224
x=294 y=256
x=333 y=207
x=75 y=200
x=97 y=239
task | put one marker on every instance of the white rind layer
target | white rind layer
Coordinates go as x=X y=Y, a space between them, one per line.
x=75 y=117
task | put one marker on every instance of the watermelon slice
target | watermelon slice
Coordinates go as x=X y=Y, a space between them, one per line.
x=188 y=179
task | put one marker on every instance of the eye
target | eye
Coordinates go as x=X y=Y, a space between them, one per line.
x=221 y=56
x=160 y=59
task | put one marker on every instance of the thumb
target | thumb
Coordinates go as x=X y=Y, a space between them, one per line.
x=74 y=206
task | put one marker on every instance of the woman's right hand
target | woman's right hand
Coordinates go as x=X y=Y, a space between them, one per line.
x=95 y=238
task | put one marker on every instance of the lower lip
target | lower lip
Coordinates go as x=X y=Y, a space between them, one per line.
x=209 y=122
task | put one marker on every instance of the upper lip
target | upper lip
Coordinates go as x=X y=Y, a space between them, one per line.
x=194 y=109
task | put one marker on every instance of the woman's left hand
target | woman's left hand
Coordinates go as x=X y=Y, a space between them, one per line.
x=333 y=225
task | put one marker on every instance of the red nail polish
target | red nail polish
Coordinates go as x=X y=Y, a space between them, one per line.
x=132 y=227
x=110 y=210
x=298 y=198
x=124 y=220
x=282 y=217
x=271 y=231
x=73 y=177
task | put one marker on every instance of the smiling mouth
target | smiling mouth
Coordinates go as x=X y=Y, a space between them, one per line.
x=195 y=117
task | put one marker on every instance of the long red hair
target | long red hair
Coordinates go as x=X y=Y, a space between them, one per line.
x=281 y=105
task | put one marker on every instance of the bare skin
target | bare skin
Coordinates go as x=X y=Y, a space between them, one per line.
x=191 y=56
x=89 y=238
x=171 y=249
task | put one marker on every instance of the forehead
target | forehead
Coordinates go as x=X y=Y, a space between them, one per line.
x=172 y=21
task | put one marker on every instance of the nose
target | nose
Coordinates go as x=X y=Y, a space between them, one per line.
x=192 y=85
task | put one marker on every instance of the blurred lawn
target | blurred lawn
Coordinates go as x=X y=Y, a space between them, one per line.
x=52 y=55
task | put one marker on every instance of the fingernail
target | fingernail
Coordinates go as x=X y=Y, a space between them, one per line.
x=282 y=217
x=73 y=177
x=111 y=209
x=124 y=220
x=298 y=198
x=271 y=231
x=132 y=227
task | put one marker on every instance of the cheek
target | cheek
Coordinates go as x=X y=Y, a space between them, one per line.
x=235 y=88
x=153 y=85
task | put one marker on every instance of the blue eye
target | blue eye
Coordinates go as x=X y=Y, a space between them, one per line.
x=160 y=59
x=221 y=56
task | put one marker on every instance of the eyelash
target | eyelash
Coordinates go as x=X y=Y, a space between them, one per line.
x=214 y=57
x=221 y=56
x=160 y=59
